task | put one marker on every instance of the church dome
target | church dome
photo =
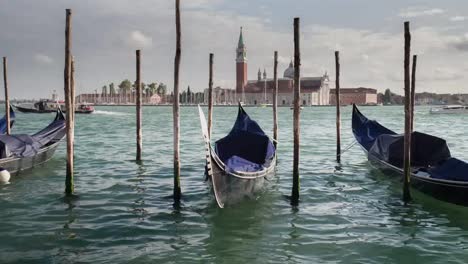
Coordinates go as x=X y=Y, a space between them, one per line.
x=289 y=72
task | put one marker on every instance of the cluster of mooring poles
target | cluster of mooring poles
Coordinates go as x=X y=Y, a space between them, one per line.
x=69 y=91
x=69 y=101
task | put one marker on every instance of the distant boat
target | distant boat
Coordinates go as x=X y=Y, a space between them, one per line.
x=49 y=106
x=450 y=109
x=241 y=163
x=292 y=107
x=19 y=152
x=433 y=170
x=266 y=105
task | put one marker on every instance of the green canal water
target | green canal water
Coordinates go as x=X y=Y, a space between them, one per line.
x=124 y=212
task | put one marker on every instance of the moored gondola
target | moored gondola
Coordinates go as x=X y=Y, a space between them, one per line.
x=20 y=152
x=433 y=170
x=242 y=163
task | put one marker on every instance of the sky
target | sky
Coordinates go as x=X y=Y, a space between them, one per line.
x=106 y=33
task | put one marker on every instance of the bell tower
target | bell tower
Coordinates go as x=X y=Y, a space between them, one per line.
x=241 y=66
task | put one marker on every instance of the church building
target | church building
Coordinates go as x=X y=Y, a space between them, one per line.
x=314 y=90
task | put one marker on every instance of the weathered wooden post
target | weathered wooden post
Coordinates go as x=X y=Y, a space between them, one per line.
x=72 y=93
x=413 y=90
x=407 y=141
x=138 y=106
x=175 y=108
x=337 y=99
x=69 y=185
x=275 y=99
x=7 y=99
x=210 y=95
x=297 y=93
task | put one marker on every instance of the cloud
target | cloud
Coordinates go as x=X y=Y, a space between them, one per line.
x=43 y=59
x=446 y=74
x=137 y=40
x=417 y=12
x=458 y=18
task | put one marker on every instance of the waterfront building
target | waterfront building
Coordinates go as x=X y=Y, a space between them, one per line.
x=221 y=96
x=359 y=96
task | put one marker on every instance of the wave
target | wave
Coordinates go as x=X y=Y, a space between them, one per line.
x=102 y=112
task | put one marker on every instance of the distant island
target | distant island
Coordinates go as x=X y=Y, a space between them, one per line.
x=424 y=98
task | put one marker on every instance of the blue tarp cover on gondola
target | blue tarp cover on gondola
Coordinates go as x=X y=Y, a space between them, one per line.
x=3 y=123
x=452 y=169
x=246 y=148
x=22 y=145
x=426 y=150
x=386 y=145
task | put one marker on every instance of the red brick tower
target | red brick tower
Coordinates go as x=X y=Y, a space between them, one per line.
x=241 y=67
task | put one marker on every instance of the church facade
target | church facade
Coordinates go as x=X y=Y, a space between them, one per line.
x=314 y=90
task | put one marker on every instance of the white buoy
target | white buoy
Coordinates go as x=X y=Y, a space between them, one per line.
x=4 y=176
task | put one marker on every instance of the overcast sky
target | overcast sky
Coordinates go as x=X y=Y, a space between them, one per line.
x=368 y=34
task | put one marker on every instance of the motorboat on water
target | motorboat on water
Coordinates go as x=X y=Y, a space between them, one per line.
x=50 y=106
x=450 y=109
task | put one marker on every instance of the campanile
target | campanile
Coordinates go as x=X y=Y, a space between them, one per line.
x=241 y=66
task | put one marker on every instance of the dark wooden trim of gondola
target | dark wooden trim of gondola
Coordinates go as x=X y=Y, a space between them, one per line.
x=407 y=140
x=175 y=108
x=297 y=93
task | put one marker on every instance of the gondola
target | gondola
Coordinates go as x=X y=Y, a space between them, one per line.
x=20 y=152
x=242 y=163
x=3 y=121
x=433 y=170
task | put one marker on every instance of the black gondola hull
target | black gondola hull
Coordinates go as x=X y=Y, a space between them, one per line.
x=44 y=111
x=448 y=191
x=33 y=110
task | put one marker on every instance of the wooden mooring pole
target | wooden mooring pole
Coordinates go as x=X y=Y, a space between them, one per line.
x=72 y=94
x=138 y=106
x=407 y=141
x=175 y=108
x=275 y=99
x=68 y=74
x=413 y=90
x=7 y=99
x=338 y=114
x=210 y=95
x=297 y=93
